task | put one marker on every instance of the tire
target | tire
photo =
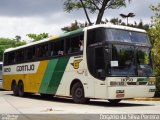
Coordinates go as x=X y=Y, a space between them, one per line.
x=14 y=89
x=114 y=101
x=20 y=89
x=77 y=93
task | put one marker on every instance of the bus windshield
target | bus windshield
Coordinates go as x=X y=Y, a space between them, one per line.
x=127 y=60
x=122 y=63
x=127 y=53
x=127 y=36
x=144 y=62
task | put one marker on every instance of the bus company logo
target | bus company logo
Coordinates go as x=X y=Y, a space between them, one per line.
x=75 y=63
x=25 y=68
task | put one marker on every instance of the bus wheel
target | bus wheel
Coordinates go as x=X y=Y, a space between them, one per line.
x=77 y=93
x=114 y=101
x=20 y=89
x=14 y=89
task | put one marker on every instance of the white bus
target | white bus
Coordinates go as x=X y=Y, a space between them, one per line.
x=115 y=64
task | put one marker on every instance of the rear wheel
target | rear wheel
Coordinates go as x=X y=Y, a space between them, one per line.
x=77 y=93
x=114 y=101
x=14 y=88
x=20 y=89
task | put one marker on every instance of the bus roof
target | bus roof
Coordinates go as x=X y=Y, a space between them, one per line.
x=77 y=31
x=109 y=25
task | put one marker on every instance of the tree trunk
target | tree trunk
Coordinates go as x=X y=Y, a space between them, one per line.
x=101 y=11
x=89 y=21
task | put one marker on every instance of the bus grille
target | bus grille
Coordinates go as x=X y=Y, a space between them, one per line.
x=136 y=83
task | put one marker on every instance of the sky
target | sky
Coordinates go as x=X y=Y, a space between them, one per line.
x=21 y=17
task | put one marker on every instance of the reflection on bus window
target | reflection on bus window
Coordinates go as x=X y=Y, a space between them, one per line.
x=125 y=57
x=143 y=59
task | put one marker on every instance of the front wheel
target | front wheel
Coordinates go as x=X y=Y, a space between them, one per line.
x=114 y=101
x=77 y=93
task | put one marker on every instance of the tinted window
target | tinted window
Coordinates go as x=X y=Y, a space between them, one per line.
x=11 y=58
x=96 y=35
x=31 y=53
x=74 y=44
x=118 y=35
x=0 y=67
x=123 y=56
x=139 y=37
x=144 y=62
x=19 y=56
x=42 y=51
x=57 y=48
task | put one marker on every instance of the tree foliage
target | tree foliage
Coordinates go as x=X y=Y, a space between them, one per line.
x=116 y=21
x=74 y=26
x=18 y=38
x=94 y=6
x=38 y=37
x=154 y=34
x=8 y=43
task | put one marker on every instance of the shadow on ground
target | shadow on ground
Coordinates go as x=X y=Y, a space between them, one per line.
x=92 y=102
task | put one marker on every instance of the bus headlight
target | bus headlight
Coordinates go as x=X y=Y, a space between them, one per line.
x=117 y=83
x=151 y=83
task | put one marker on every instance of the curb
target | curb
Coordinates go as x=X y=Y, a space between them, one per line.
x=144 y=99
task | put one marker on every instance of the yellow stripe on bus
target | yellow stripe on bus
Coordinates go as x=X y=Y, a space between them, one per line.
x=54 y=37
x=31 y=82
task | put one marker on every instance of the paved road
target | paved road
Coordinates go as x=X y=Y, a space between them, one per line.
x=35 y=104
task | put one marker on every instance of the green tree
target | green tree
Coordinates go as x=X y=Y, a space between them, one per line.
x=74 y=26
x=8 y=43
x=38 y=37
x=154 y=34
x=18 y=38
x=116 y=21
x=127 y=16
x=94 y=6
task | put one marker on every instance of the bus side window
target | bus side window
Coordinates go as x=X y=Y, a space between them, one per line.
x=43 y=51
x=19 y=57
x=57 y=48
x=5 y=59
x=11 y=57
x=31 y=53
x=74 y=44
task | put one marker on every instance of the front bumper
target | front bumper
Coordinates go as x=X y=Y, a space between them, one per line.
x=130 y=92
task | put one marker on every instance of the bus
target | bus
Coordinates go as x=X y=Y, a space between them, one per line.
x=114 y=63
x=1 y=64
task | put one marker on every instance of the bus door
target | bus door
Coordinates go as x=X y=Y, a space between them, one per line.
x=100 y=72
